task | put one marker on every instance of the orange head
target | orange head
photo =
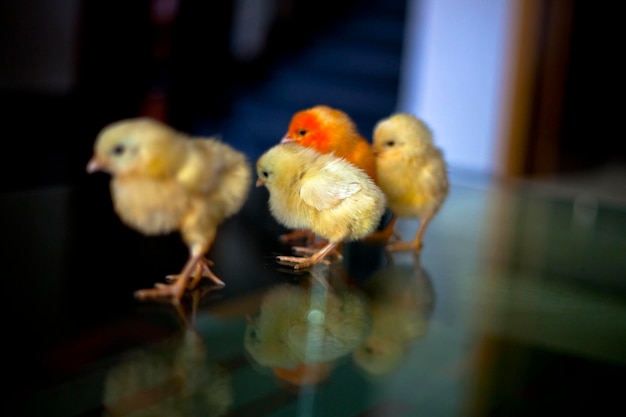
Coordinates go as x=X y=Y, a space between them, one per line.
x=327 y=130
x=321 y=127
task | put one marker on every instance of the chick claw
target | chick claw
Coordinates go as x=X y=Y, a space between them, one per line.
x=304 y=262
x=300 y=261
x=161 y=292
x=179 y=283
x=202 y=270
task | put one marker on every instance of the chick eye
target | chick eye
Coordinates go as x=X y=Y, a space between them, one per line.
x=302 y=132
x=390 y=142
x=118 y=150
x=265 y=174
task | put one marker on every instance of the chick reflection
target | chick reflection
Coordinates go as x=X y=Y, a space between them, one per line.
x=175 y=378
x=302 y=330
x=400 y=304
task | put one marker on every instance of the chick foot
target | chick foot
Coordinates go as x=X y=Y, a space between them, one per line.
x=163 y=292
x=301 y=262
x=312 y=249
x=201 y=270
x=416 y=243
x=401 y=246
x=195 y=268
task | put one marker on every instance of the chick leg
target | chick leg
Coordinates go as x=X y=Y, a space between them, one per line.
x=310 y=250
x=416 y=244
x=386 y=234
x=297 y=236
x=199 y=238
x=303 y=262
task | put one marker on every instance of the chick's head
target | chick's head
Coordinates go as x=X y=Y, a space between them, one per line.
x=274 y=162
x=138 y=146
x=401 y=134
x=320 y=127
x=265 y=169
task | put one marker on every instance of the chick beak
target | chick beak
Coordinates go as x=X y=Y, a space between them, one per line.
x=94 y=165
x=286 y=139
x=260 y=182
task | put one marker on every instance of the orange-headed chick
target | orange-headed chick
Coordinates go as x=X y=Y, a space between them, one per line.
x=411 y=172
x=165 y=181
x=329 y=130
x=319 y=192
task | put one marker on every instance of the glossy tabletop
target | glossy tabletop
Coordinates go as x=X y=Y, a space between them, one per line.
x=516 y=307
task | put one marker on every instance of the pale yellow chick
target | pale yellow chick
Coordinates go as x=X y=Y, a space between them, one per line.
x=319 y=192
x=412 y=173
x=165 y=181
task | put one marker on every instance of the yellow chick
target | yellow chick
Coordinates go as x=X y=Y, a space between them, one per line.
x=165 y=181
x=411 y=171
x=327 y=130
x=319 y=192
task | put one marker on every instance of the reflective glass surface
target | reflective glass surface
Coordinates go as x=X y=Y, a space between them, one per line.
x=516 y=307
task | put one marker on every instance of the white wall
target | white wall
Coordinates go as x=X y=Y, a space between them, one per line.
x=453 y=75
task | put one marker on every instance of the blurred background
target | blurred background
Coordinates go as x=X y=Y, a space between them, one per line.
x=518 y=91
x=513 y=89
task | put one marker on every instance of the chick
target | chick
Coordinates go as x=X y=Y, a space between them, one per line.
x=321 y=193
x=164 y=181
x=175 y=377
x=329 y=130
x=412 y=173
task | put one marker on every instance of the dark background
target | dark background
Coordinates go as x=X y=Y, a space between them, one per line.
x=181 y=67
